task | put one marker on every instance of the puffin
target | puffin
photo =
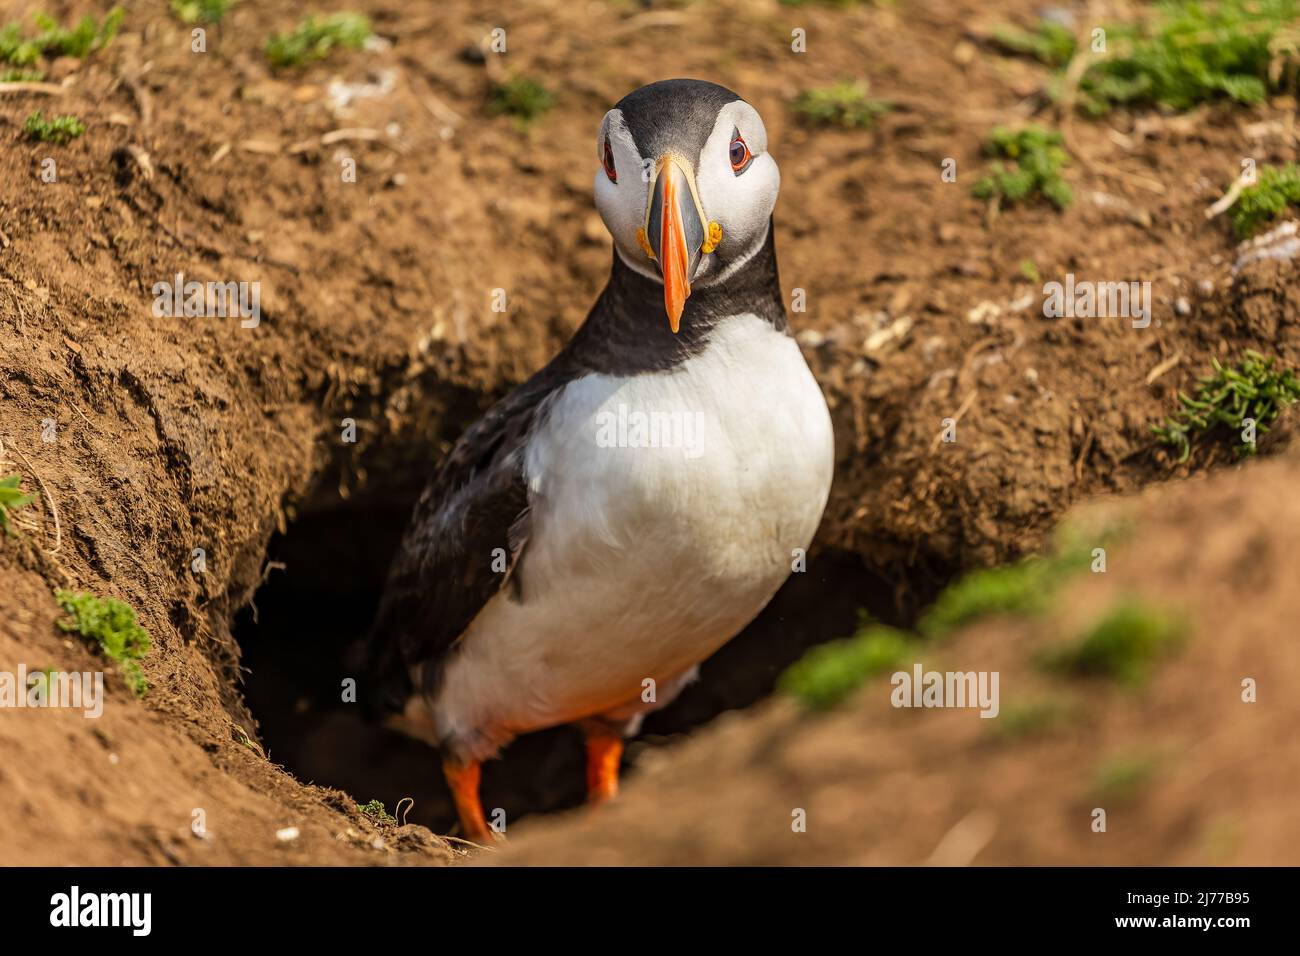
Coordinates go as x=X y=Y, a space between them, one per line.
x=631 y=507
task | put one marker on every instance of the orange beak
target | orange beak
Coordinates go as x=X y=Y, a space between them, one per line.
x=675 y=231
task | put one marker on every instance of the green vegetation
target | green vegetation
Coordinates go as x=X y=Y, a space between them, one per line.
x=1025 y=587
x=201 y=11
x=830 y=672
x=1252 y=390
x=15 y=75
x=11 y=499
x=85 y=38
x=111 y=625
x=56 y=129
x=1122 y=777
x=1275 y=188
x=375 y=810
x=521 y=98
x=1185 y=53
x=1037 y=156
x=1122 y=644
x=316 y=37
x=848 y=104
x=1049 y=42
x=1019 y=721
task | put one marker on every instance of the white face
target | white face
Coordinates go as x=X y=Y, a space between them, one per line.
x=739 y=198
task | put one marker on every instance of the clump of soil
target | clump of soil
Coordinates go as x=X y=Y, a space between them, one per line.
x=182 y=447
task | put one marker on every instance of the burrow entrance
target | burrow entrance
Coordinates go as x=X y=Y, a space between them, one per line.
x=322 y=591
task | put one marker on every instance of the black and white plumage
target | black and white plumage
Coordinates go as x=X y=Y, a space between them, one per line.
x=545 y=576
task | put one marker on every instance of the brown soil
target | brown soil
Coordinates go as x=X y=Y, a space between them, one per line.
x=175 y=434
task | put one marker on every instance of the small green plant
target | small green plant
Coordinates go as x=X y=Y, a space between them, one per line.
x=521 y=98
x=15 y=75
x=1186 y=52
x=56 y=129
x=1025 y=587
x=1255 y=391
x=1275 y=188
x=375 y=810
x=830 y=672
x=316 y=37
x=112 y=626
x=85 y=38
x=1029 y=269
x=1122 y=644
x=1121 y=778
x=848 y=104
x=1048 y=42
x=1037 y=156
x=1030 y=719
x=201 y=11
x=11 y=499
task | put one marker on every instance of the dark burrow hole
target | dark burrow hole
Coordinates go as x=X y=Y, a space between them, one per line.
x=334 y=561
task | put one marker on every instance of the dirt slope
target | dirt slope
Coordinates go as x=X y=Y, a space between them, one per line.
x=174 y=434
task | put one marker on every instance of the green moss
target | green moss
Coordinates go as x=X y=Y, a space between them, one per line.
x=375 y=810
x=316 y=37
x=1025 y=587
x=1275 y=188
x=1123 y=644
x=201 y=11
x=80 y=41
x=112 y=626
x=11 y=499
x=1018 y=721
x=847 y=104
x=1186 y=52
x=828 y=673
x=521 y=98
x=1121 y=778
x=56 y=129
x=1048 y=42
x=1253 y=389
x=1036 y=158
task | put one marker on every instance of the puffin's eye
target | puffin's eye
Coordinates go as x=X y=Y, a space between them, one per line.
x=608 y=162
x=740 y=155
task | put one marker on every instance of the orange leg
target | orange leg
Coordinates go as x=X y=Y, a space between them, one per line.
x=603 y=755
x=463 y=781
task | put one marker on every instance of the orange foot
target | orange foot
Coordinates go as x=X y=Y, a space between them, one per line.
x=603 y=755
x=463 y=780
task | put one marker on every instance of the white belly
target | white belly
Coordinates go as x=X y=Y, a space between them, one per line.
x=652 y=546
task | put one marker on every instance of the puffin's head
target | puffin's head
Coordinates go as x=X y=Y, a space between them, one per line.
x=686 y=186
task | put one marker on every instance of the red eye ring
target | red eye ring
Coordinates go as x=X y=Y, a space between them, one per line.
x=607 y=160
x=739 y=153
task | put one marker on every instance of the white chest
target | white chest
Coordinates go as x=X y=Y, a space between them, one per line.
x=666 y=509
x=718 y=467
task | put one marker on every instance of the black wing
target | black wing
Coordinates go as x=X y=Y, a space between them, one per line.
x=464 y=540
